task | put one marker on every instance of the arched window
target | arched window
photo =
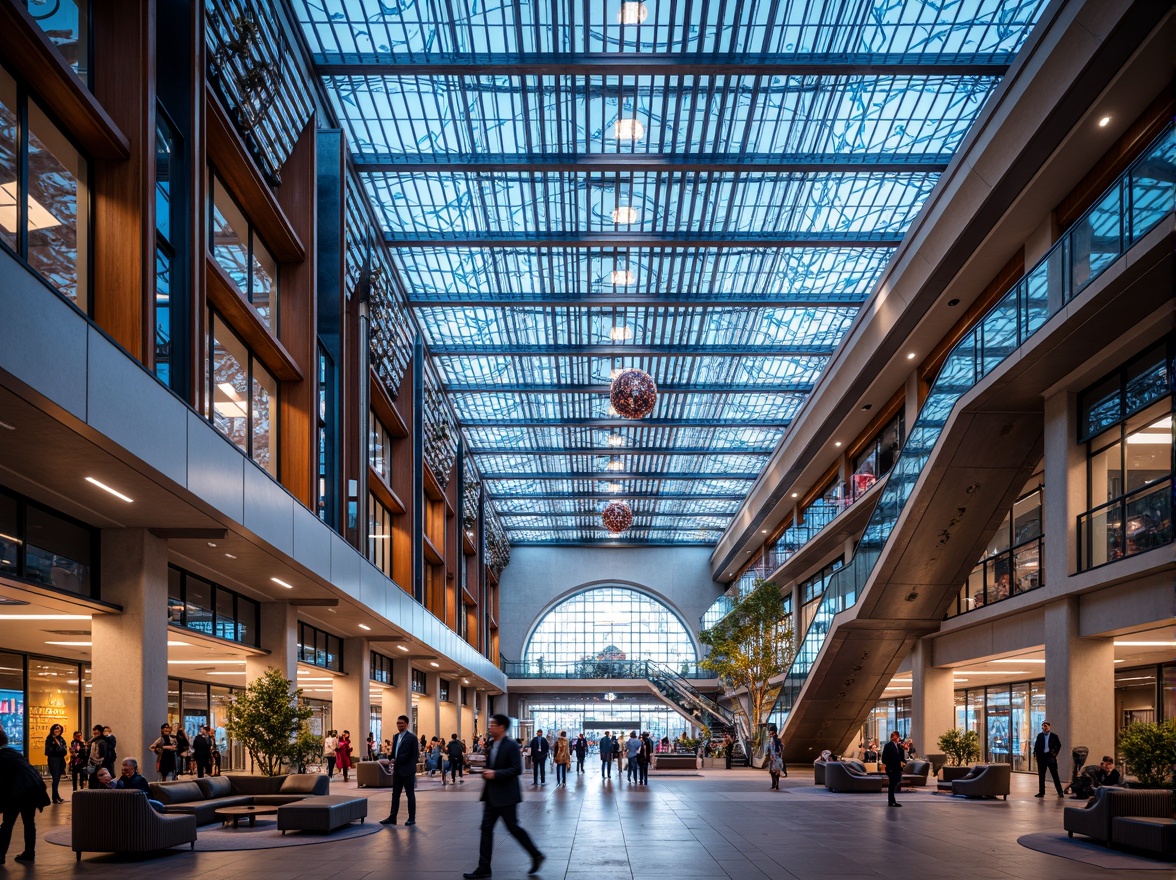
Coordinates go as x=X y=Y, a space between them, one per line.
x=609 y=624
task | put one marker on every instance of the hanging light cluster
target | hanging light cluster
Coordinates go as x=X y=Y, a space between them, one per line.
x=633 y=394
x=617 y=517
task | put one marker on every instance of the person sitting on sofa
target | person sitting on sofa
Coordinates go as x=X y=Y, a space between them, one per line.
x=1093 y=778
x=103 y=779
x=131 y=777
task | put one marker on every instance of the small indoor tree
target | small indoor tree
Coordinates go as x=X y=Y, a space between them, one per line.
x=962 y=746
x=1150 y=751
x=266 y=718
x=750 y=646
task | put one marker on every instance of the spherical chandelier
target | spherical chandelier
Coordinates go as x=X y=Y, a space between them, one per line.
x=617 y=517
x=633 y=394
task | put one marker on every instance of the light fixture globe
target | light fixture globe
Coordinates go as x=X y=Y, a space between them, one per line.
x=617 y=517
x=633 y=394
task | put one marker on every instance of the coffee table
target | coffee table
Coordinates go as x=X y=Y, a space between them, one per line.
x=236 y=814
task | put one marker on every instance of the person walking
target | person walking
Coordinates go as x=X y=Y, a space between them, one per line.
x=330 y=743
x=893 y=759
x=580 y=747
x=775 y=757
x=563 y=758
x=22 y=794
x=183 y=751
x=165 y=753
x=500 y=798
x=456 y=754
x=606 y=755
x=405 y=755
x=728 y=748
x=632 y=749
x=1045 y=752
x=56 y=751
x=343 y=755
x=644 y=757
x=78 y=753
x=540 y=749
x=202 y=752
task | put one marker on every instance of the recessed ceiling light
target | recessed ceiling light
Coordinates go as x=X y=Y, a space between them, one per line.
x=763 y=531
x=1104 y=122
x=910 y=355
x=207 y=662
x=620 y=332
x=45 y=617
x=632 y=13
x=623 y=277
x=401 y=648
x=106 y=488
x=866 y=407
x=212 y=543
x=7 y=427
x=282 y=583
x=795 y=494
x=434 y=665
x=628 y=130
x=230 y=556
x=1015 y=660
x=1145 y=644
x=365 y=626
x=625 y=215
x=953 y=302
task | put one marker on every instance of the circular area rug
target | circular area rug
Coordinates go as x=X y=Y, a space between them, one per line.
x=265 y=835
x=1058 y=843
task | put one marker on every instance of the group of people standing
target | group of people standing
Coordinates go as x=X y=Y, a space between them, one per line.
x=337 y=753
x=176 y=755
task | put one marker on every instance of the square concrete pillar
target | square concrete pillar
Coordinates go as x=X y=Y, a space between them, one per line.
x=1065 y=487
x=398 y=700
x=429 y=706
x=352 y=693
x=129 y=649
x=1079 y=685
x=279 y=636
x=932 y=698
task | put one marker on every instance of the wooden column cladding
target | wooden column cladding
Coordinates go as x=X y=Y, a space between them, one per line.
x=454 y=603
x=403 y=544
x=297 y=323
x=123 y=190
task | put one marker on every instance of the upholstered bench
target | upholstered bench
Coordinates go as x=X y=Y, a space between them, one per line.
x=323 y=814
x=1144 y=832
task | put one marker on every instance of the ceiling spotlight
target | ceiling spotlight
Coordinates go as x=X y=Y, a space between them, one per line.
x=616 y=440
x=837 y=443
x=910 y=355
x=1104 y=122
x=401 y=648
x=763 y=531
x=622 y=277
x=434 y=665
x=633 y=13
x=620 y=332
x=365 y=626
x=628 y=130
x=230 y=556
x=212 y=543
x=7 y=427
x=625 y=215
x=106 y=488
x=282 y=583
x=953 y=302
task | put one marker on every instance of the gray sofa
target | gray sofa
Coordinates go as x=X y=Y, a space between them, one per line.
x=841 y=776
x=916 y=772
x=983 y=781
x=203 y=797
x=819 y=772
x=373 y=774
x=122 y=821
x=1096 y=819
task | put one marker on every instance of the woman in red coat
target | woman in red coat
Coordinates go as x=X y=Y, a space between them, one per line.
x=343 y=754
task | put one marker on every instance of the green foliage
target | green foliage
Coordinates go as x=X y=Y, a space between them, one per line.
x=751 y=645
x=1150 y=751
x=962 y=746
x=266 y=718
x=307 y=748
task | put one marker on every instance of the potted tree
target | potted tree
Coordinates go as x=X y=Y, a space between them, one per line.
x=266 y=718
x=962 y=747
x=1149 y=751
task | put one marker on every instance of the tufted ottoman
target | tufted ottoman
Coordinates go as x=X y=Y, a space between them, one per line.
x=324 y=813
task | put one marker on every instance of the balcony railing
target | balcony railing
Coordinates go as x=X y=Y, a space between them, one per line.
x=1009 y=573
x=1138 y=200
x=1126 y=526
x=600 y=669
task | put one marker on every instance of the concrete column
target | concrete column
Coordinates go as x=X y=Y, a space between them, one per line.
x=1079 y=685
x=932 y=698
x=448 y=712
x=429 y=705
x=352 y=693
x=1065 y=487
x=797 y=632
x=129 y=649
x=398 y=700
x=279 y=636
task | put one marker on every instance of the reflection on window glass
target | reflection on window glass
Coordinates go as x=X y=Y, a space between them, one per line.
x=610 y=623
x=198 y=605
x=57 y=552
x=9 y=152
x=230 y=385
x=56 y=239
x=379 y=447
x=163 y=343
x=263 y=293
x=9 y=540
x=379 y=535
x=66 y=24
x=265 y=399
x=243 y=256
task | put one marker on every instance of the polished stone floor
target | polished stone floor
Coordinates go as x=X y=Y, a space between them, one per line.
x=717 y=825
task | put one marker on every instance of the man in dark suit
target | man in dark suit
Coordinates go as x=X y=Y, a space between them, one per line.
x=406 y=752
x=202 y=753
x=893 y=758
x=540 y=749
x=606 y=755
x=1045 y=753
x=501 y=797
x=580 y=747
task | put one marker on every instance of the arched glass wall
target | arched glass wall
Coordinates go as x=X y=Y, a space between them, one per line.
x=604 y=631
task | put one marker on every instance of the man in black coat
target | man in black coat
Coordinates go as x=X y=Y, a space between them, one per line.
x=540 y=749
x=22 y=793
x=202 y=753
x=406 y=752
x=501 y=797
x=1045 y=753
x=893 y=758
x=580 y=747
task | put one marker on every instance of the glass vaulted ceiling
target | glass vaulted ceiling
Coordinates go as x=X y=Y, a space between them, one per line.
x=706 y=190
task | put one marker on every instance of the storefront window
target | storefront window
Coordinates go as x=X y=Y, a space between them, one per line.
x=319 y=648
x=52 y=699
x=1006 y=717
x=12 y=699
x=198 y=604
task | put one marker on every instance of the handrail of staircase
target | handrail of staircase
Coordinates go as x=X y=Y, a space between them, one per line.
x=1130 y=208
x=655 y=671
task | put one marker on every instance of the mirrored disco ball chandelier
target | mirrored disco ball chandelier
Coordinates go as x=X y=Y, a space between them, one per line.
x=633 y=394
x=617 y=517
